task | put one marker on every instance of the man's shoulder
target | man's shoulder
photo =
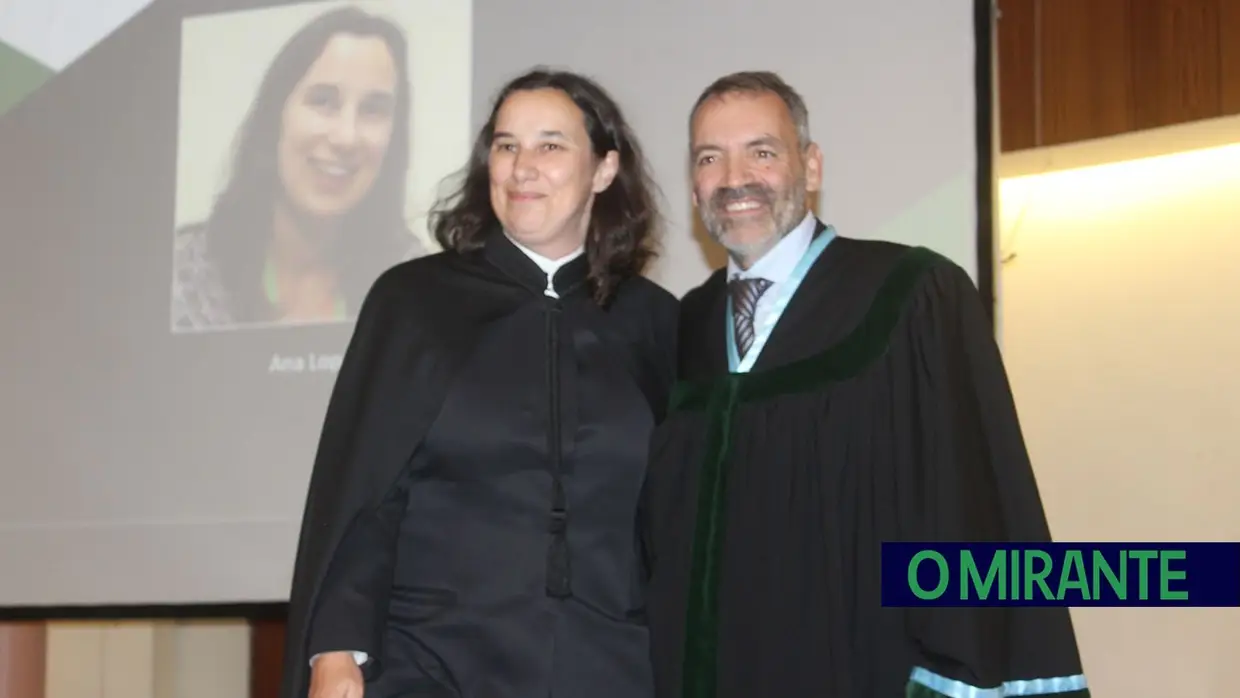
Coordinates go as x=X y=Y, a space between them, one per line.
x=872 y=251
x=859 y=258
x=882 y=261
x=928 y=284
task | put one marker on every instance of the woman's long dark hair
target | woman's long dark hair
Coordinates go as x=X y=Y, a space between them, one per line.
x=376 y=234
x=621 y=237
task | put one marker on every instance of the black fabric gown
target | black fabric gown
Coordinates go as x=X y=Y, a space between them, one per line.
x=878 y=411
x=471 y=522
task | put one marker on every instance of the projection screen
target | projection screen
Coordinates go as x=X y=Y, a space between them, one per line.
x=156 y=437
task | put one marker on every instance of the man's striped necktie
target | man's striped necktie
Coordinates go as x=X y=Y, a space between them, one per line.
x=745 y=295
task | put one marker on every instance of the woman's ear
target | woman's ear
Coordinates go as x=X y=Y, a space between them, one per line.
x=606 y=171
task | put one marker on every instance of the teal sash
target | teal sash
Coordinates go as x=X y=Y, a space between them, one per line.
x=763 y=329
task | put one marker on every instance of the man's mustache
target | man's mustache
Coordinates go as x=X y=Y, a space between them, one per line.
x=726 y=195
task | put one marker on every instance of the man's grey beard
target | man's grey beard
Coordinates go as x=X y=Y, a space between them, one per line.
x=787 y=211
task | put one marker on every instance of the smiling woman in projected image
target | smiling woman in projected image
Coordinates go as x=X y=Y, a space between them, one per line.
x=315 y=207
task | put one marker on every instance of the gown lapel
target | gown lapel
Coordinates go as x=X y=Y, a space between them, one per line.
x=716 y=342
x=804 y=313
x=703 y=332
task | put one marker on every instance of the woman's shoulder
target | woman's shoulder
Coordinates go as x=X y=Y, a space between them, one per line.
x=648 y=309
x=423 y=283
x=199 y=298
x=646 y=296
x=420 y=269
x=190 y=237
x=648 y=315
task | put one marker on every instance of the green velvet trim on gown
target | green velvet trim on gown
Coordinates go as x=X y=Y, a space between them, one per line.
x=719 y=398
x=842 y=361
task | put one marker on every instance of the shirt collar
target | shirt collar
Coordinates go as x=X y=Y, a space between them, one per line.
x=548 y=265
x=778 y=264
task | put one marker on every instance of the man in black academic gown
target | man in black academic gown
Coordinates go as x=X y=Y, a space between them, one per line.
x=836 y=393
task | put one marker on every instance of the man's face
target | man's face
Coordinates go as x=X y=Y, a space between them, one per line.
x=750 y=174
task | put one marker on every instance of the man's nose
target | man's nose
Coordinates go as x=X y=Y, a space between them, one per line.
x=736 y=175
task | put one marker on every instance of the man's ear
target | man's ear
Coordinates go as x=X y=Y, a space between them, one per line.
x=813 y=168
x=606 y=171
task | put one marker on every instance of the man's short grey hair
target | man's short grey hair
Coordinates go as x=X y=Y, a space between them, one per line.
x=759 y=81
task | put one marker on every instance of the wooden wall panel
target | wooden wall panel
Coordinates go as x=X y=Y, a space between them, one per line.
x=1017 y=81
x=1086 y=78
x=1175 y=61
x=266 y=657
x=1072 y=70
x=1229 y=56
x=23 y=659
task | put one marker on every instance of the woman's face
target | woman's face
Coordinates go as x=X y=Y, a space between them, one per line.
x=337 y=125
x=544 y=174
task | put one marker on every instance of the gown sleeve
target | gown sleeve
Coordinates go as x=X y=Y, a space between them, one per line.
x=665 y=357
x=346 y=554
x=977 y=485
x=352 y=604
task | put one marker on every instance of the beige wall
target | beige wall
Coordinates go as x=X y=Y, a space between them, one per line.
x=189 y=659
x=1121 y=331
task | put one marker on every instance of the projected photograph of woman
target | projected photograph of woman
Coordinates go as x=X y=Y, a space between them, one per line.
x=314 y=205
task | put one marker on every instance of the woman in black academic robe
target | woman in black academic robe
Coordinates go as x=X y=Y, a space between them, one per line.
x=470 y=528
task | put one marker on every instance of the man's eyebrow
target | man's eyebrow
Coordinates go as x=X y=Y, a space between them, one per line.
x=765 y=140
x=699 y=149
x=768 y=140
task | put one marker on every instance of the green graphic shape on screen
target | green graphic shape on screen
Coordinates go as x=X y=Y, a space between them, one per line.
x=20 y=75
x=40 y=38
